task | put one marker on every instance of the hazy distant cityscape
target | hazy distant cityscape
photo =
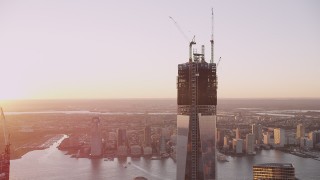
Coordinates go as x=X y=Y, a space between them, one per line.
x=149 y=130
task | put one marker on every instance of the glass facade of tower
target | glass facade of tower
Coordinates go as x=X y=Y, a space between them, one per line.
x=196 y=120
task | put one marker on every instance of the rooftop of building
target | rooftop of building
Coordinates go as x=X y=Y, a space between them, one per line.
x=279 y=165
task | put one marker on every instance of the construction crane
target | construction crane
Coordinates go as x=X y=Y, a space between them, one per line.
x=192 y=42
x=179 y=28
x=218 y=62
x=5 y=157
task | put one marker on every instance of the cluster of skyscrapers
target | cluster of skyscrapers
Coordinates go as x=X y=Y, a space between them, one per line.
x=121 y=143
x=240 y=145
x=275 y=137
x=306 y=141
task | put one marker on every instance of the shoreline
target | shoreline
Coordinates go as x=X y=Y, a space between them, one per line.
x=19 y=152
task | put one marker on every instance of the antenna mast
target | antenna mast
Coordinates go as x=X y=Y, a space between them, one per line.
x=212 y=41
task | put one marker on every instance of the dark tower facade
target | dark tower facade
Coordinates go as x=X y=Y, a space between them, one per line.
x=196 y=118
x=122 y=137
x=147 y=136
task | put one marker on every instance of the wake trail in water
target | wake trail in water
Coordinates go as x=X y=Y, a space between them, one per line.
x=145 y=171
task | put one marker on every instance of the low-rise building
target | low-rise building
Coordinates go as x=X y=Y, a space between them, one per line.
x=273 y=171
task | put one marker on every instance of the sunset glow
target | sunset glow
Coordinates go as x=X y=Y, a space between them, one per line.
x=58 y=50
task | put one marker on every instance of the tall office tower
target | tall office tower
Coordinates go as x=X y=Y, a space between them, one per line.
x=237 y=133
x=122 y=137
x=273 y=171
x=306 y=143
x=315 y=137
x=257 y=132
x=279 y=137
x=162 y=148
x=196 y=119
x=300 y=131
x=225 y=142
x=122 y=143
x=147 y=136
x=237 y=145
x=96 y=140
x=220 y=137
x=249 y=143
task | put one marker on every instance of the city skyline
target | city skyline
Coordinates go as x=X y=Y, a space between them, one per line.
x=59 y=50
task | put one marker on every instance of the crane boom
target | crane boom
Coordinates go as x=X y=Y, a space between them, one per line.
x=218 y=62
x=179 y=28
x=192 y=42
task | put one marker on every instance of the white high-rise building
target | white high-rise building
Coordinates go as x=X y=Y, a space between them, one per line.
x=279 y=137
x=250 y=143
x=96 y=140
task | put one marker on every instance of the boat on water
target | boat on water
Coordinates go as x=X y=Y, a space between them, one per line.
x=222 y=158
x=140 y=178
x=165 y=155
x=155 y=158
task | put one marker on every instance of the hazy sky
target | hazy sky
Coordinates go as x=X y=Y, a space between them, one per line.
x=131 y=49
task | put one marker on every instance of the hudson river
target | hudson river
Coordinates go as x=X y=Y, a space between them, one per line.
x=53 y=164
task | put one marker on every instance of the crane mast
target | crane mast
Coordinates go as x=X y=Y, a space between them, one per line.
x=190 y=48
x=212 y=41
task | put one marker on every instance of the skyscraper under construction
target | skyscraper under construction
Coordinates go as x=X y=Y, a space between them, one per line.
x=196 y=117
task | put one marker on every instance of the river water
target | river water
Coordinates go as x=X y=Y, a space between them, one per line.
x=54 y=164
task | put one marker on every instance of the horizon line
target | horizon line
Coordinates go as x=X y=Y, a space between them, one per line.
x=154 y=98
